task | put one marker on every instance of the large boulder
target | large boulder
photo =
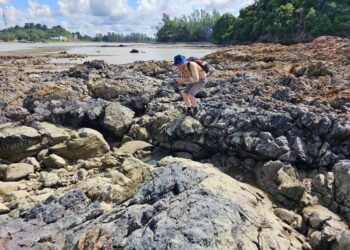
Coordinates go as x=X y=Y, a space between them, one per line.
x=17 y=143
x=84 y=144
x=54 y=161
x=15 y=171
x=117 y=119
x=325 y=227
x=342 y=184
x=184 y=205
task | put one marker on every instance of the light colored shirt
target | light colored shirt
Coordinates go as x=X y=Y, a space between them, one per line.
x=196 y=73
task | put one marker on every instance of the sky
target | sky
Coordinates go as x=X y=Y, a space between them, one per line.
x=101 y=16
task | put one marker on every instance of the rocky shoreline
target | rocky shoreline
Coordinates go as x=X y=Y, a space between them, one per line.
x=276 y=119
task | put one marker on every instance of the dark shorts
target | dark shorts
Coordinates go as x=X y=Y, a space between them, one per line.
x=194 y=88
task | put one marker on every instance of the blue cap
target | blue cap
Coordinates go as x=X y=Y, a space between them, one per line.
x=179 y=59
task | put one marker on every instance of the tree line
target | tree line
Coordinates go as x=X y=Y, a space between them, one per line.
x=118 y=37
x=265 y=20
x=38 y=32
x=33 y=32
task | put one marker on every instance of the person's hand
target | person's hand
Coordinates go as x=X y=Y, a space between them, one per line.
x=180 y=80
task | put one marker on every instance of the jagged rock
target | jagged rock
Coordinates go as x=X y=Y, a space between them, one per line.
x=32 y=161
x=49 y=179
x=79 y=175
x=119 y=183
x=190 y=126
x=291 y=218
x=43 y=154
x=318 y=69
x=54 y=133
x=343 y=242
x=15 y=171
x=96 y=64
x=317 y=215
x=175 y=205
x=117 y=119
x=16 y=113
x=323 y=185
x=342 y=186
x=54 y=161
x=17 y=143
x=91 y=163
x=84 y=144
x=139 y=133
x=282 y=180
x=327 y=226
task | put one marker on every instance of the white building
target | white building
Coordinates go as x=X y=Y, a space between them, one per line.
x=59 y=38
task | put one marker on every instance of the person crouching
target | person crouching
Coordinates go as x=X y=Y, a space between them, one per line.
x=195 y=77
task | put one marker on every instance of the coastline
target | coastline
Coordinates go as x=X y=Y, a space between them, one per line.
x=74 y=139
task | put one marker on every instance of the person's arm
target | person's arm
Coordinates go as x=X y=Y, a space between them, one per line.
x=194 y=72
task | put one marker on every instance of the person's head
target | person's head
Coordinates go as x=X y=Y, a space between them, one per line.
x=179 y=61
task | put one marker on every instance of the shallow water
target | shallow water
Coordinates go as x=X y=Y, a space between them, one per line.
x=113 y=54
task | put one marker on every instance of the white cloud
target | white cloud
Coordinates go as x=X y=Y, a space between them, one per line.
x=36 y=10
x=4 y=1
x=102 y=16
x=35 y=13
x=93 y=7
x=69 y=7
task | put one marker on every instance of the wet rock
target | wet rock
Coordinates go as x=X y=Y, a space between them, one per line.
x=192 y=148
x=54 y=161
x=134 y=51
x=84 y=144
x=15 y=171
x=117 y=119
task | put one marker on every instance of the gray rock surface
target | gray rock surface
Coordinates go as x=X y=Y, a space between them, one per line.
x=17 y=143
x=183 y=205
x=117 y=119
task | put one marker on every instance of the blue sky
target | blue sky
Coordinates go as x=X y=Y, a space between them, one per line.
x=102 y=16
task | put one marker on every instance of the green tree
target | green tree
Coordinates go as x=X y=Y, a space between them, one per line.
x=221 y=29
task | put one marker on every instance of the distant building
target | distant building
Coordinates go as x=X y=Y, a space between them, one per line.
x=75 y=37
x=59 y=38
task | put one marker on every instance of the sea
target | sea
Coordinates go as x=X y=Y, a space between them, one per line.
x=118 y=53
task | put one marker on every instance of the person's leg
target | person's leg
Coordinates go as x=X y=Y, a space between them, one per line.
x=193 y=100
x=186 y=99
x=196 y=87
